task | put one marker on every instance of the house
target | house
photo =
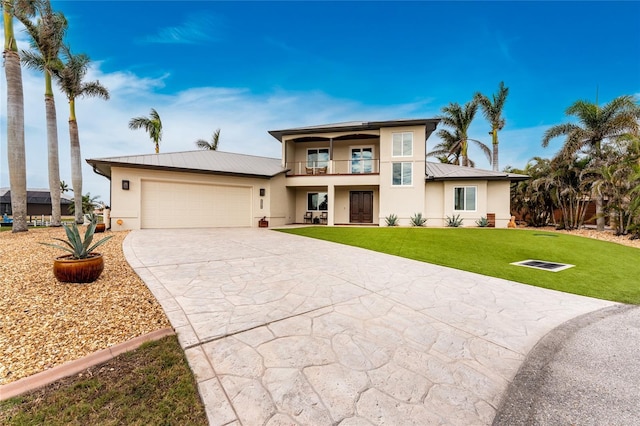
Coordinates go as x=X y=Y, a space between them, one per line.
x=346 y=173
x=38 y=202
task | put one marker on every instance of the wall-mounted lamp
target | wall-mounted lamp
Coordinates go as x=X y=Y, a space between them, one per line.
x=262 y=192
x=125 y=185
x=119 y=222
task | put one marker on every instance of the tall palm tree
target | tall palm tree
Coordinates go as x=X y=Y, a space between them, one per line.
x=70 y=80
x=46 y=40
x=151 y=124
x=459 y=118
x=596 y=125
x=448 y=151
x=15 y=111
x=492 y=111
x=213 y=145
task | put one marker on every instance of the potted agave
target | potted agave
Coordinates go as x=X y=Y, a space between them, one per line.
x=82 y=264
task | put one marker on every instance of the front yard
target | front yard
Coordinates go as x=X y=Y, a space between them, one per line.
x=603 y=270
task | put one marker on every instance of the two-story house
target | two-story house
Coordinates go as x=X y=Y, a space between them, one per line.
x=340 y=174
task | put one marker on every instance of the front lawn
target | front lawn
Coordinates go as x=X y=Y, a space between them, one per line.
x=602 y=270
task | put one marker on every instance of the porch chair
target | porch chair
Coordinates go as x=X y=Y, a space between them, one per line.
x=324 y=216
x=308 y=217
x=308 y=170
x=321 y=170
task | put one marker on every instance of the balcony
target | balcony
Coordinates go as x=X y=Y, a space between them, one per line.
x=334 y=167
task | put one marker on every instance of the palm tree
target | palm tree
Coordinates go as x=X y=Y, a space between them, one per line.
x=596 y=125
x=46 y=39
x=70 y=80
x=459 y=118
x=88 y=204
x=492 y=111
x=448 y=151
x=151 y=124
x=15 y=112
x=213 y=146
x=64 y=187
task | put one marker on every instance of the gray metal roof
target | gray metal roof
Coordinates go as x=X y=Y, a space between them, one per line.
x=201 y=161
x=354 y=126
x=442 y=171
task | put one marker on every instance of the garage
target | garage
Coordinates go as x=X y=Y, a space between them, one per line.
x=193 y=205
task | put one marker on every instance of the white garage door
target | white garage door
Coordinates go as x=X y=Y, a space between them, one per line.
x=187 y=205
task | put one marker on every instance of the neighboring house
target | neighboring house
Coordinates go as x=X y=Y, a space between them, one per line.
x=38 y=202
x=346 y=173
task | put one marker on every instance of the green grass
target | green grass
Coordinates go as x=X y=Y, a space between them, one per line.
x=149 y=386
x=602 y=270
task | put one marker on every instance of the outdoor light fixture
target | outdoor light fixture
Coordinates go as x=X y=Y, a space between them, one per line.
x=262 y=192
x=125 y=185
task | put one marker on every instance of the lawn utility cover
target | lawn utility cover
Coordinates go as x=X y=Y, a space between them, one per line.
x=544 y=265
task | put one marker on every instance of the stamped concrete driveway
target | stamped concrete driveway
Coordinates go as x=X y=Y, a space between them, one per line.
x=281 y=329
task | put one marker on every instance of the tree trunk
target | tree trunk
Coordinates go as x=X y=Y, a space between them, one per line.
x=15 y=140
x=599 y=212
x=76 y=170
x=494 y=158
x=54 y=161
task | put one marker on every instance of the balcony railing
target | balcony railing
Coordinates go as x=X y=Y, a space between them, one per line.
x=334 y=167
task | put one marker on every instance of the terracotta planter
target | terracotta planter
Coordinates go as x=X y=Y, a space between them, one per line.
x=263 y=223
x=68 y=270
x=100 y=227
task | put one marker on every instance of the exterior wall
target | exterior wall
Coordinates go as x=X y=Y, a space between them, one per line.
x=499 y=201
x=404 y=201
x=339 y=205
x=491 y=197
x=126 y=205
x=434 y=204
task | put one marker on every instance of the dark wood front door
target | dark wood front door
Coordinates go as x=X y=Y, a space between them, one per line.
x=361 y=207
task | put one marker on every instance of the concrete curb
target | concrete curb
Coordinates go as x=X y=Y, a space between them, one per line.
x=70 y=368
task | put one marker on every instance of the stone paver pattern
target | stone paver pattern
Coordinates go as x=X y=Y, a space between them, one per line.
x=283 y=330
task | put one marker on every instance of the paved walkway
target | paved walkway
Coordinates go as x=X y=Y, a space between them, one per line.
x=282 y=330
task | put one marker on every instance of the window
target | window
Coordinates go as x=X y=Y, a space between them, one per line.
x=318 y=157
x=317 y=201
x=402 y=174
x=402 y=144
x=464 y=198
x=361 y=160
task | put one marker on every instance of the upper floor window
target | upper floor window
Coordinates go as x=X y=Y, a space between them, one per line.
x=402 y=174
x=403 y=144
x=464 y=198
x=362 y=160
x=317 y=157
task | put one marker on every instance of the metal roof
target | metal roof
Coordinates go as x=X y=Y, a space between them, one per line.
x=354 y=126
x=442 y=171
x=34 y=196
x=201 y=161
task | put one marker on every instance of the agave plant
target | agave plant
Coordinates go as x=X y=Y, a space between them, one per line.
x=391 y=220
x=483 y=222
x=74 y=243
x=454 y=221
x=418 y=220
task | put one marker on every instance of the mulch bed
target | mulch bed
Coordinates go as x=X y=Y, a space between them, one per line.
x=45 y=323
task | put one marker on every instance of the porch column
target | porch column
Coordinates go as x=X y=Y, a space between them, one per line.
x=331 y=170
x=332 y=205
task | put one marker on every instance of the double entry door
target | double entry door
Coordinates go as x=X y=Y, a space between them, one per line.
x=361 y=206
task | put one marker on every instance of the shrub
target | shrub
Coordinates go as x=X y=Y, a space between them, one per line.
x=418 y=220
x=392 y=220
x=454 y=222
x=483 y=222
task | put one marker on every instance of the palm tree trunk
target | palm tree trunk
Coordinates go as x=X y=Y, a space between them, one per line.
x=15 y=136
x=599 y=213
x=76 y=169
x=494 y=157
x=53 y=159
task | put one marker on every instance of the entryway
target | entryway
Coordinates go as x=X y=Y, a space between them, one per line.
x=361 y=206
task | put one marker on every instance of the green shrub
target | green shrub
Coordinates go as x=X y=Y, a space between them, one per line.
x=483 y=222
x=391 y=220
x=454 y=222
x=418 y=220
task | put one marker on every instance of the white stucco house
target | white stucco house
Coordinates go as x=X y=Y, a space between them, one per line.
x=348 y=173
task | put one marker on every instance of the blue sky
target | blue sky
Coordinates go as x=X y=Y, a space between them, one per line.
x=250 y=67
